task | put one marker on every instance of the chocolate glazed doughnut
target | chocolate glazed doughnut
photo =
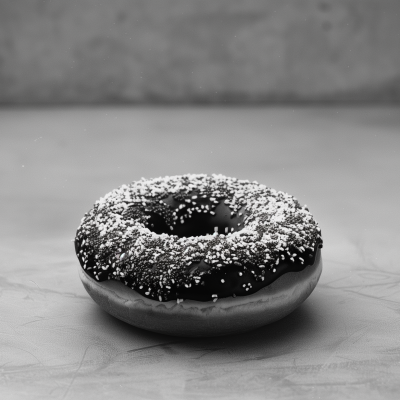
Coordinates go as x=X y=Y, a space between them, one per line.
x=198 y=255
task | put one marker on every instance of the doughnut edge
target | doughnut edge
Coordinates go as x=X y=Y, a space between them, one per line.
x=192 y=318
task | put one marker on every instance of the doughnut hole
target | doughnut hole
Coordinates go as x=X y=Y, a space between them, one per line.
x=197 y=219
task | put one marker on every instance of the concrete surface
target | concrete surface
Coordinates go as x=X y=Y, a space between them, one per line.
x=96 y=51
x=343 y=342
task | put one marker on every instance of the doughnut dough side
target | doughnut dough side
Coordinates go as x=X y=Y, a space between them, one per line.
x=192 y=318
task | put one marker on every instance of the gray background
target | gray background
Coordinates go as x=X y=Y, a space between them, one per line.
x=218 y=51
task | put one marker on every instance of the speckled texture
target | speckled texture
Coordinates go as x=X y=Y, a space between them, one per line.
x=173 y=258
x=96 y=51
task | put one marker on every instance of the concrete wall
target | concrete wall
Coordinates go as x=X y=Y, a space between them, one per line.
x=96 y=51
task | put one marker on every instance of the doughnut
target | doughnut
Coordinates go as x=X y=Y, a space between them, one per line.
x=198 y=255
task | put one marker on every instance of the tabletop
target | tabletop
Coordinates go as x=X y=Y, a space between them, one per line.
x=342 y=342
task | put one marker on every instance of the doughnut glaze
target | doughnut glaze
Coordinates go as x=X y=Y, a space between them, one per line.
x=196 y=237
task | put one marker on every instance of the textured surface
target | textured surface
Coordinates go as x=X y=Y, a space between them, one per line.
x=343 y=342
x=202 y=51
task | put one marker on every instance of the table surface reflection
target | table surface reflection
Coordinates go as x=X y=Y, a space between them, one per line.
x=343 y=342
